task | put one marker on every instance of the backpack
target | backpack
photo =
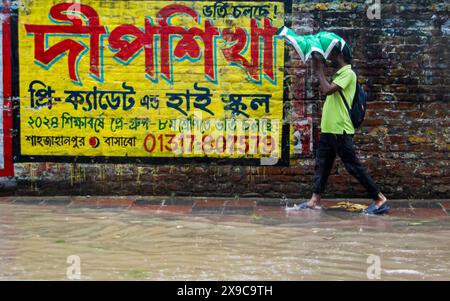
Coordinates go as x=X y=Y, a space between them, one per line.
x=359 y=105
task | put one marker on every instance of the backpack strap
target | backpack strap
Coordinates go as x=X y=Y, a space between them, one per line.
x=344 y=100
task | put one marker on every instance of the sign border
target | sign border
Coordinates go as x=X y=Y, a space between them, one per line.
x=8 y=165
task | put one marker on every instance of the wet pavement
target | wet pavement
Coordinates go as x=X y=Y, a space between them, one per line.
x=156 y=238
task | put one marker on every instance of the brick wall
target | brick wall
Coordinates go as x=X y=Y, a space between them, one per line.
x=403 y=60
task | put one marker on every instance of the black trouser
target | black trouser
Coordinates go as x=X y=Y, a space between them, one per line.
x=329 y=146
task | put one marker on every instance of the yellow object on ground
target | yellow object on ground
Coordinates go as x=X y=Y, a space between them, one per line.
x=350 y=207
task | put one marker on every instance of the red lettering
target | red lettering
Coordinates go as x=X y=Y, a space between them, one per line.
x=233 y=53
x=186 y=46
x=74 y=49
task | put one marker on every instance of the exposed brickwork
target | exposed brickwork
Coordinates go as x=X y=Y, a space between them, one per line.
x=403 y=60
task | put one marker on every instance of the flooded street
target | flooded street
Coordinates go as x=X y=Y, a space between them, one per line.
x=270 y=244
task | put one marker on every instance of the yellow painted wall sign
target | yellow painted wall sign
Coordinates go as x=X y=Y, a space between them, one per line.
x=150 y=79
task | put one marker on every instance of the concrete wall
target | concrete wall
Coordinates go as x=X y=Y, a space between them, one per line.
x=403 y=60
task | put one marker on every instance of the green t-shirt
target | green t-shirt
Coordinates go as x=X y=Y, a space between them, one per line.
x=335 y=117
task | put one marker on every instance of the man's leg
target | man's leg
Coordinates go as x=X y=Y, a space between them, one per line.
x=324 y=163
x=346 y=150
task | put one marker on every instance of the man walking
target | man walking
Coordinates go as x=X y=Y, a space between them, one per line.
x=337 y=132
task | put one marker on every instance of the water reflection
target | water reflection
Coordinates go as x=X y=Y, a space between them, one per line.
x=268 y=244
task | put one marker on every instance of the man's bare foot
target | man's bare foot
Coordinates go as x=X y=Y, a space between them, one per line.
x=315 y=202
x=378 y=206
x=381 y=200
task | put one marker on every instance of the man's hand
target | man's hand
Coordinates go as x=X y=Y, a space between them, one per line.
x=326 y=87
x=318 y=64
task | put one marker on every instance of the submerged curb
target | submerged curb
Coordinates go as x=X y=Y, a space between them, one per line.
x=246 y=206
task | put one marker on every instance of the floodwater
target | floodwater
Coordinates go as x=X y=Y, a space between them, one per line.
x=271 y=244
